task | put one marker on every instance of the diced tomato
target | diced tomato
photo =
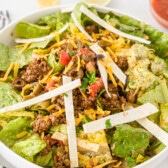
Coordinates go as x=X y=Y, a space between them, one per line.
x=50 y=85
x=90 y=66
x=64 y=58
x=84 y=51
x=95 y=87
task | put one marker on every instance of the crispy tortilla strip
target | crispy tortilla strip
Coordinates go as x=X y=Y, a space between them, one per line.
x=71 y=128
x=61 y=137
x=83 y=145
x=121 y=118
x=55 y=92
x=86 y=146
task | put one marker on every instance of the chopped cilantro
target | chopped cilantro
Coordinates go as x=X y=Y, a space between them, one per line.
x=65 y=94
x=108 y=124
x=90 y=77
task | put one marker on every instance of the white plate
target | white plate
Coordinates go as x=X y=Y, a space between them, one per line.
x=7 y=38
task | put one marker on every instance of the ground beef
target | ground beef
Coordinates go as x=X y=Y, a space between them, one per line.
x=59 y=100
x=82 y=102
x=92 y=29
x=122 y=63
x=113 y=102
x=61 y=158
x=41 y=123
x=56 y=120
x=68 y=47
x=131 y=96
x=35 y=71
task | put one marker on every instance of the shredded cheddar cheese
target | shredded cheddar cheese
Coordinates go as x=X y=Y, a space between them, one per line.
x=8 y=72
x=16 y=69
x=79 y=64
x=22 y=134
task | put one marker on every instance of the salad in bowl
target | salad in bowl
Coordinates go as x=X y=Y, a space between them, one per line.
x=83 y=86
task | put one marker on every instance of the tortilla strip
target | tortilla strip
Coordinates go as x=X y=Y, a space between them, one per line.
x=86 y=146
x=55 y=92
x=121 y=118
x=82 y=144
x=61 y=137
x=71 y=128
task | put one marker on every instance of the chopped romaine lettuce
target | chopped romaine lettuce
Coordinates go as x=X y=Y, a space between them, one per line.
x=8 y=95
x=55 y=21
x=164 y=116
x=59 y=128
x=153 y=96
x=54 y=64
x=29 y=30
x=159 y=67
x=45 y=160
x=13 y=128
x=10 y=54
x=128 y=142
x=30 y=147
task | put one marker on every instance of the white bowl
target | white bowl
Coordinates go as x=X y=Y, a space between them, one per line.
x=6 y=37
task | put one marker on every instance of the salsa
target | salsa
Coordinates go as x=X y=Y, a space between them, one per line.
x=161 y=8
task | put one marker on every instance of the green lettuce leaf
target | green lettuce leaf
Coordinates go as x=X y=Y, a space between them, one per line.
x=164 y=116
x=154 y=96
x=54 y=64
x=41 y=44
x=55 y=21
x=45 y=160
x=159 y=41
x=14 y=127
x=128 y=142
x=30 y=147
x=8 y=95
x=29 y=30
x=8 y=55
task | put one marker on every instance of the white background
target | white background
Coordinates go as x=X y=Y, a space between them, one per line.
x=137 y=8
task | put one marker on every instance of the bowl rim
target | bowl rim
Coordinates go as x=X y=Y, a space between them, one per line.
x=36 y=15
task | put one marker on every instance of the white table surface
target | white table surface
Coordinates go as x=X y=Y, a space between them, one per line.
x=137 y=8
